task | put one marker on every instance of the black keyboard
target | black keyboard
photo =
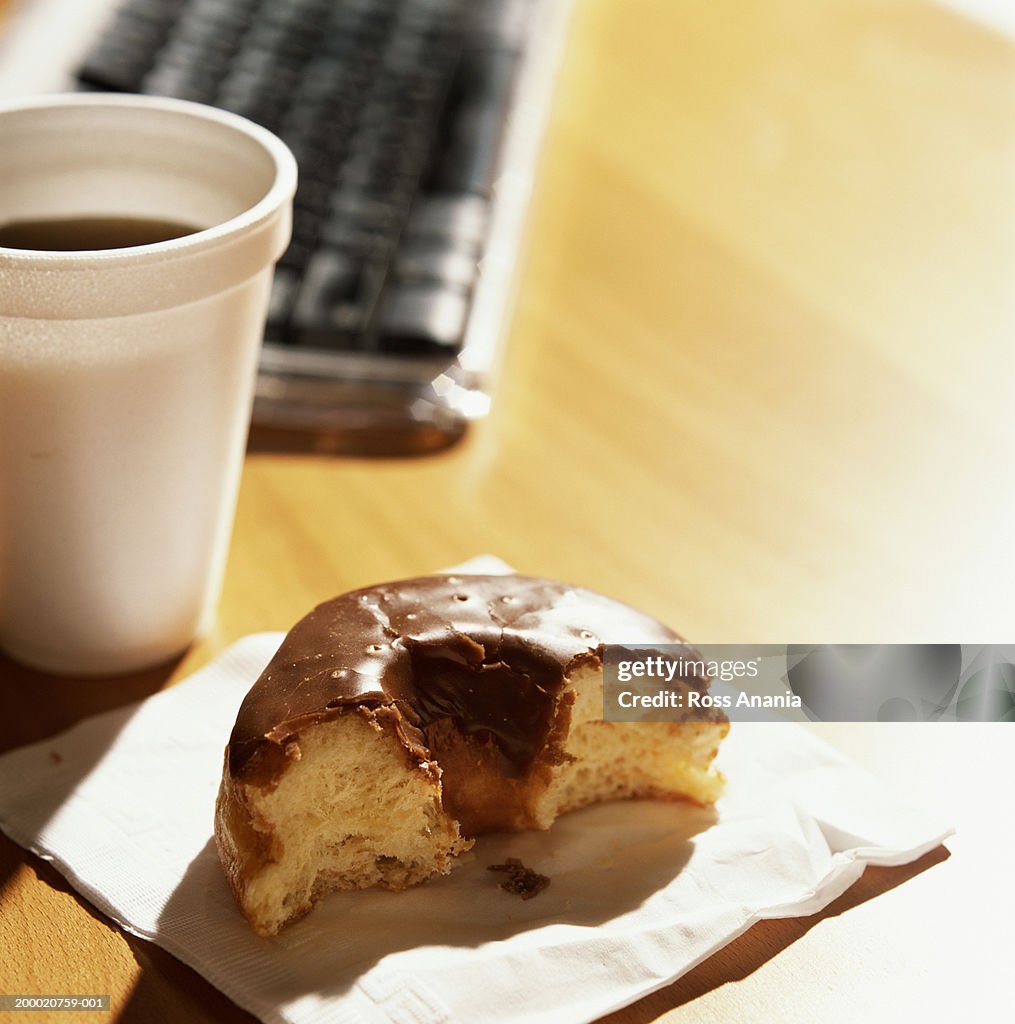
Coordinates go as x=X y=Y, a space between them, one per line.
x=396 y=113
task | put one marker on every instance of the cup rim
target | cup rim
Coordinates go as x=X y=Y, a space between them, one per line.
x=282 y=187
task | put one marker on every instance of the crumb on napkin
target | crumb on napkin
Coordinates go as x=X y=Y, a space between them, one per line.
x=521 y=881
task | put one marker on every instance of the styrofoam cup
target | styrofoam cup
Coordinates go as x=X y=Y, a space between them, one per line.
x=126 y=375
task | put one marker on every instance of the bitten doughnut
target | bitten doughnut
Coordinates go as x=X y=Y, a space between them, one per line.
x=397 y=723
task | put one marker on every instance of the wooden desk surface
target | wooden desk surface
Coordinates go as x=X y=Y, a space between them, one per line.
x=759 y=383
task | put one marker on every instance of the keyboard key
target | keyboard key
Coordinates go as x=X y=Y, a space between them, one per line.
x=330 y=301
x=284 y=287
x=430 y=260
x=460 y=218
x=483 y=82
x=423 y=317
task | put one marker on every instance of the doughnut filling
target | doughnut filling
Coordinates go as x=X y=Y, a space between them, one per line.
x=396 y=723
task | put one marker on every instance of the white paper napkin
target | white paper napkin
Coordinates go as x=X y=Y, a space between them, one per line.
x=640 y=892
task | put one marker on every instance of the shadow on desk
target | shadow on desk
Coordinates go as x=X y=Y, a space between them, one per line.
x=378 y=443
x=35 y=706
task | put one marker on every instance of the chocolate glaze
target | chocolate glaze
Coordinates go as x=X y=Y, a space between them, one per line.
x=490 y=652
